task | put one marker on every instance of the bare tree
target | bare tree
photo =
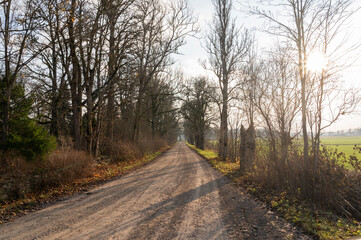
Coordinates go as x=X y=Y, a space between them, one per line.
x=271 y=89
x=19 y=24
x=49 y=83
x=249 y=79
x=303 y=25
x=74 y=75
x=226 y=46
x=160 y=99
x=162 y=29
x=285 y=99
x=91 y=39
x=329 y=100
x=100 y=69
x=196 y=109
x=121 y=31
x=234 y=122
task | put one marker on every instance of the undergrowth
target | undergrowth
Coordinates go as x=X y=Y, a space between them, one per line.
x=320 y=223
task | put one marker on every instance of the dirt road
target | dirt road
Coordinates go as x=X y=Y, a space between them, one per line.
x=178 y=196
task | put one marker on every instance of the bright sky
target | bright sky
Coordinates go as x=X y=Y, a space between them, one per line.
x=192 y=52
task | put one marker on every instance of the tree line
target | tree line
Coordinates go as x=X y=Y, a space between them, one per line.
x=94 y=71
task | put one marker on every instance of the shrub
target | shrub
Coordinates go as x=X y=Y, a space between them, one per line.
x=20 y=176
x=150 y=143
x=14 y=176
x=25 y=136
x=61 y=167
x=31 y=140
x=331 y=185
x=124 y=151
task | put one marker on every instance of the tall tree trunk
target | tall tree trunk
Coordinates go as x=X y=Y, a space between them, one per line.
x=7 y=77
x=202 y=133
x=231 y=145
x=6 y=109
x=247 y=147
x=75 y=81
x=111 y=76
x=304 y=123
x=137 y=113
x=236 y=143
x=100 y=111
x=54 y=125
x=223 y=144
x=319 y=122
x=90 y=119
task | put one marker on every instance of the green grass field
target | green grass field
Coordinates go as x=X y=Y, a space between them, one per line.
x=353 y=140
x=343 y=144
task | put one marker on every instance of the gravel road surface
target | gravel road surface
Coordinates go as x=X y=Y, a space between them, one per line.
x=177 y=196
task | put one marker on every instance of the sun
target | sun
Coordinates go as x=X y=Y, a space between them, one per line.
x=316 y=62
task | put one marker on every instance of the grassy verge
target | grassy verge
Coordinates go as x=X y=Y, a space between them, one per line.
x=321 y=224
x=207 y=153
x=102 y=172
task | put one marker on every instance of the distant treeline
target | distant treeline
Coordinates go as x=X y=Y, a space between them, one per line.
x=349 y=132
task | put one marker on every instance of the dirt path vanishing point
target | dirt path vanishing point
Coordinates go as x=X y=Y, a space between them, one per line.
x=177 y=196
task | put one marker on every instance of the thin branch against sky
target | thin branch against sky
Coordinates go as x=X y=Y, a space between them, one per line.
x=192 y=52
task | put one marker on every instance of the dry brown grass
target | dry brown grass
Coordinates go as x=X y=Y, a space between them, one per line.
x=63 y=166
x=124 y=151
x=149 y=144
x=19 y=176
x=329 y=186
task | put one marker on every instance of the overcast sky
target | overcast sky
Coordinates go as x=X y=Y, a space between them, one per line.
x=192 y=52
